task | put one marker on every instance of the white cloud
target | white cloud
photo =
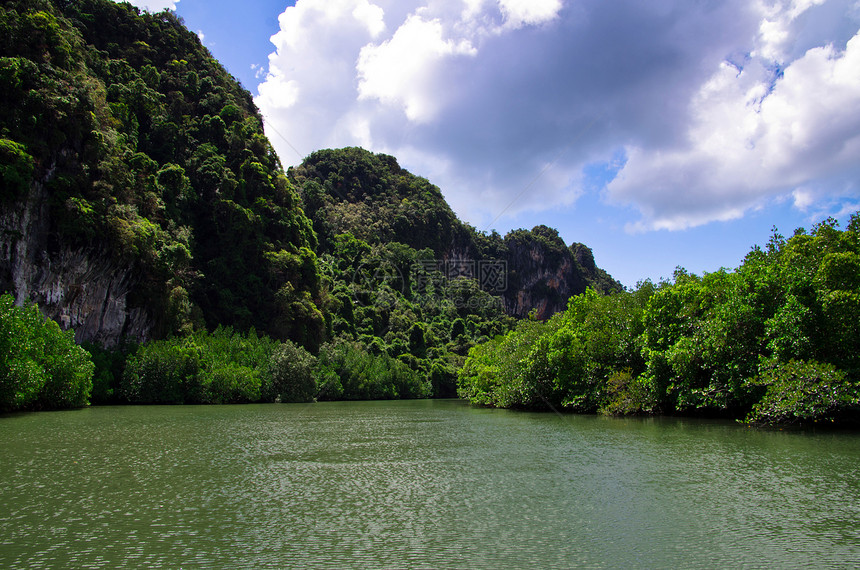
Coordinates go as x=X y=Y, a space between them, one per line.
x=259 y=70
x=775 y=30
x=496 y=16
x=803 y=198
x=719 y=108
x=309 y=91
x=753 y=138
x=302 y=24
x=529 y=12
x=154 y=5
x=403 y=70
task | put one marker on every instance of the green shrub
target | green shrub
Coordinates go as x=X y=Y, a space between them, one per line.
x=41 y=367
x=16 y=170
x=163 y=372
x=231 y=384
x=223 y=367
x=627 y=395
x=109 y=366
x=290 y=375
x=800 y=391
x=347 y=371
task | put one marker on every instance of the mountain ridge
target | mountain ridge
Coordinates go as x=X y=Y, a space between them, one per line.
x=370 y=196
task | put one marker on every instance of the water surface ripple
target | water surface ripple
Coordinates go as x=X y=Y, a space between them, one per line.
x=421 y=484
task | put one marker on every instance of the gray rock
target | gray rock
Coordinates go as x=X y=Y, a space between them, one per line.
x=83 y=289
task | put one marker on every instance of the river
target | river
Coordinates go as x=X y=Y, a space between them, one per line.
x=419 y=484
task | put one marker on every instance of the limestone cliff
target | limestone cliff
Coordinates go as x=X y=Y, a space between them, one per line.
x=372 y=197
x=139 y=196
x=543 y=273
x=84 y=289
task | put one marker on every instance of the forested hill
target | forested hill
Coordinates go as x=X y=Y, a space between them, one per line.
x=140 y=196
x=370 y=197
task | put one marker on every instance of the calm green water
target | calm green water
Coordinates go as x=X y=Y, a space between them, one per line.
x=426 y=484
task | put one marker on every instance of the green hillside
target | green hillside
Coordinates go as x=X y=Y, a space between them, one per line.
x=146 y=150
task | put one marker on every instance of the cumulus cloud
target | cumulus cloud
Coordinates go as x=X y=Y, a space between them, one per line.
x=259 y=70
x=309 y=95
x=154 y=5
x=758 y=130
x=509 y=105
x=528 y=12
x=403 y=70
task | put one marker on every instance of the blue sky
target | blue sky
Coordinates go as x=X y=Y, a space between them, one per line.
x=661 y=134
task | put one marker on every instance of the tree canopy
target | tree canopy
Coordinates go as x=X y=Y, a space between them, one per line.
x=776 y=340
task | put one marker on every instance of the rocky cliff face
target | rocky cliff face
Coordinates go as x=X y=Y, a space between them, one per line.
x=87 y=290
x=543 y=273
x=541 y=282
x=370 y=196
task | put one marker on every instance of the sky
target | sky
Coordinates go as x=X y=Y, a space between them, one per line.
x=662 y=134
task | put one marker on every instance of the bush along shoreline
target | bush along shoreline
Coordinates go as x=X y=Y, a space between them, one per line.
x=776 y=341
x=41 y=368
x=228 y=367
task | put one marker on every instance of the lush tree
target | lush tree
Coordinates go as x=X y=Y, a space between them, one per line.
x=803 y=391
x=775 y=341
x=41 y=367
x=290 y=375
x=16 y=170
x=223 y=367
x=345 y=370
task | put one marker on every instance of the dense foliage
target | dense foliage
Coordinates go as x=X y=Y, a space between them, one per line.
x=370 y=196
x=396 y=302
x=777 y=340
x=225 y=367
x=348 y=372
x=401 y=274
x=41 y=367
x=361 y=280
x=391 y=306
x=146 y=148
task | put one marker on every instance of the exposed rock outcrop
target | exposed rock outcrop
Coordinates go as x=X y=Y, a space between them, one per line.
x=543 y=273
x=84 y=289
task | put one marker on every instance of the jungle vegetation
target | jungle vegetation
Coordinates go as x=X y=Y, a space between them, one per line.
x=776 y=340
x=347 y=277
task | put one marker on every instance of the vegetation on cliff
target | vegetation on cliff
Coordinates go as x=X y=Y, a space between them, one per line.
x=403 y=278
x=369 y=196
x=148 y=150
